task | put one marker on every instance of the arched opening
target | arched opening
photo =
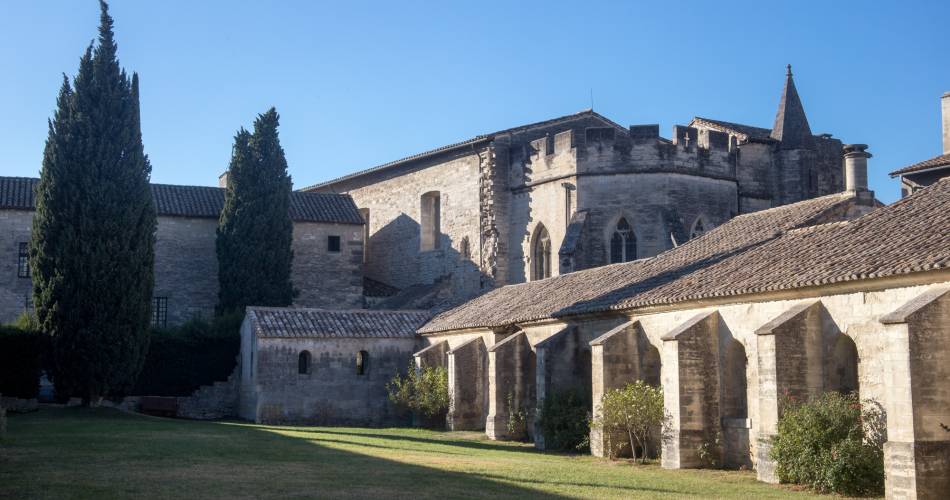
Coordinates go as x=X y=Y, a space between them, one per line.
x=650 y=366
x=842 y=372
x=303 y=363
x=362 y=362
x=734 y=385
x=541 y=254
x=430 y=221
x=623 y=243
x=699 y=228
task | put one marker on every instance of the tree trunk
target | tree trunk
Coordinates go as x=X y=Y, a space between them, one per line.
x=633 y=448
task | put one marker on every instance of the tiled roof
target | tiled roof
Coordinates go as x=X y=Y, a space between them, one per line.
x=775 y=249
x=469 y=142
x=935 y=162
x=285 y=322
x=202 y=201
x=736 y=128
x=374 y=288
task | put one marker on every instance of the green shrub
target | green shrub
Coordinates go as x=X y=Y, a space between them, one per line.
x=830 y=445
x=424 y=392
x=633 y=411
x=563 y=420
x=517 y=424
x=183 y=358
x=22 y=350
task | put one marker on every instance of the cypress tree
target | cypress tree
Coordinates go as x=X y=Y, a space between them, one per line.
x=92 y=247
x=254 y=231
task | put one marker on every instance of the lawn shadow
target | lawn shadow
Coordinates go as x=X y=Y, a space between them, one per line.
x=471 y=444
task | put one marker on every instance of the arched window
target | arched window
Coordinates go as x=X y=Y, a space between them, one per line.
x=362 y=360
x=541 y=254
x=303 y=363
x=699 y=228
x=623 y=243
x=430 y=221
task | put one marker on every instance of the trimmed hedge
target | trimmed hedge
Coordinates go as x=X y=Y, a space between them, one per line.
x=21 y=360
x=183 y=358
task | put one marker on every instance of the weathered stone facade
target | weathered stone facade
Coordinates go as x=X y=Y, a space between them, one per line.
x=545 y=199
x=15 y=291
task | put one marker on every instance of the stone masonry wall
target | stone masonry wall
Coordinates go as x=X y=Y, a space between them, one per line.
x=15 y=292
x=325 y=279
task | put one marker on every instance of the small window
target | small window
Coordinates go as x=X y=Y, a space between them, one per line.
x=159 y=312
x=23 y=261
x=303 y=363
x=362 y=359
x=623 y=243
x=333 y=243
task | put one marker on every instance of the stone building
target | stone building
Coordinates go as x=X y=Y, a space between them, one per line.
x=577 y=192
x=327 y=244
x=831 y=293
x=320 y=366
x=925 y=173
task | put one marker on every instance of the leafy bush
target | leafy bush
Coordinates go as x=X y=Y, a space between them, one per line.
x=424 y=392
x=563 y=420
x=517 y=424
x=22 y=350
x=830 y=445
x=183 y=358
x=633 y=411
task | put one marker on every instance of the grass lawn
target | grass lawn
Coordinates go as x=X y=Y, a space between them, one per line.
x=62 y=453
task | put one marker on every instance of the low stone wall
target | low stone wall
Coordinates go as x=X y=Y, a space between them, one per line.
x=211 y=402
x=17 y=405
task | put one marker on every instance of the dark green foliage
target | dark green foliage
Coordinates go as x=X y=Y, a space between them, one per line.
x=255 y=232
x=424 y=392
x=92 y=246
x=563 y=419
x=831 y=445
x=22 y=350
x=184 y=358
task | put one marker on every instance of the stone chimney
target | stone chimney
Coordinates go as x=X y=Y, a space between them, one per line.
x=945 y=107
x=856 y=167
x=223 y=180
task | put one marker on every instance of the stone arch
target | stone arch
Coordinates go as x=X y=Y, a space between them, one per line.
x=540 y=253
x=841 y=371
x=304 y=363
x=621 y=239
x=735 y=402
x=430 y=221
x=699 y=227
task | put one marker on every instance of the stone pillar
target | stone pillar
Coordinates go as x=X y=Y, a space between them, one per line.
x=691 y=389
x=615 y=362
x=856 y=167
x=511 y=372
x=467 y=367
x=790 y=364
x=917 y=452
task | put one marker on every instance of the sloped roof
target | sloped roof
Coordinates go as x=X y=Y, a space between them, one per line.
x=791 y=124
x=748 y=131
x=597 y=289
x=935 y=162
x=776 y=249
x=285 y=322
x=474 y=140
x=201 y=201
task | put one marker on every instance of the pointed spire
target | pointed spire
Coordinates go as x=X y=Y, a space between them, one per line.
x=791 y=125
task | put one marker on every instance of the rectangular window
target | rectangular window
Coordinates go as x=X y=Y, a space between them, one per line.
x=23 y=261
x=333 y=243
x=159 y=311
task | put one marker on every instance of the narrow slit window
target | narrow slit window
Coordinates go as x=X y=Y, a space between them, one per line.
x=303 y=363
x=362 y=360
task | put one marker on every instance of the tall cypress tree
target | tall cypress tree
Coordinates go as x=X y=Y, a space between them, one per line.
x=255 y=232
x=92 y=247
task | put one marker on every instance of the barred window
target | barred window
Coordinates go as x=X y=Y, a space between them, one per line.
x=159 y=311
x=23 y=261
x=333 y=244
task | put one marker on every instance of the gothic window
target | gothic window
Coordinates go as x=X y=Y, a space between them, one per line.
x=623 y=243
x=23 y=261
x=159 y=312
x=699 y=228
x=303 y=363
x=465 y=248
x=362 y=359
x=541 y=253
x=333 y=244
x=430 y=223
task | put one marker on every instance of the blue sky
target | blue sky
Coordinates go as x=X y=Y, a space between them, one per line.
x=362 y=83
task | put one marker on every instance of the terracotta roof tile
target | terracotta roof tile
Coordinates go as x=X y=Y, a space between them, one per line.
x=935 y=162
x=283 y=322
x=202 y=201
x=763 y=251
